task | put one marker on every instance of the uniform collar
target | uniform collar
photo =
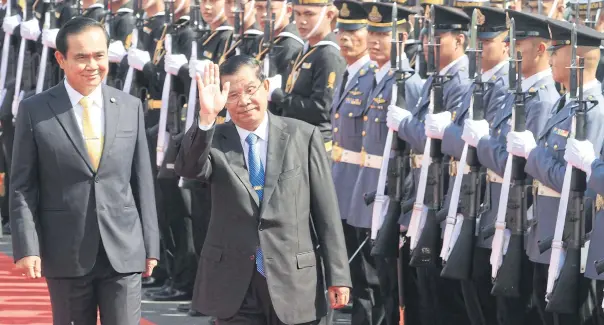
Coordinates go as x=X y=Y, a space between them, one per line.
x=446 y=69
x=355 y=67
x=532 y=80
x=487 y=75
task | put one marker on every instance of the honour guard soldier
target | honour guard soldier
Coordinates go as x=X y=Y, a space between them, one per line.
x=311 y=79
x=539 y=91
x=247 y=33
x=544 y=158
x=216 y=43
x=440 y=299
x=349 y=103
x=378 y=295
x=287 y=42
x=120 y=19
x=93 y=10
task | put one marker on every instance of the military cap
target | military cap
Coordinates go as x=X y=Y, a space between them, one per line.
x=379 y=16
x=351 y=15
x=408 y=3
x=594 y=4
x=529 y=25
x=424 y=3
x=491 y=21
x=470 y=3
x=560 y=32
x=319 y=3
x=448 y=19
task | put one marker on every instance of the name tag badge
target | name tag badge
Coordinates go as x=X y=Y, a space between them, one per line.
x=306 y=65
x=560 y=132
x=207 y=54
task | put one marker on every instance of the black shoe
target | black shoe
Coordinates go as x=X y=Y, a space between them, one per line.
x=212 y=321
x=6 y=229
x=195 y=313
x=173 y=295
x=184 y=308
x=165 y=287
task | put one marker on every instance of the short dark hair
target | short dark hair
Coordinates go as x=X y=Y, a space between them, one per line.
x=75 y=26
x=233 y=64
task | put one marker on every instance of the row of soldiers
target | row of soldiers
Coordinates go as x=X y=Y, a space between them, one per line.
x=471 y=192
x=155 y=49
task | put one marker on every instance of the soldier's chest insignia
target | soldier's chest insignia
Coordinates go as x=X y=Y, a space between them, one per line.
x=208 y=54
x=306 y=65
x=560 y=132
x=355 y=92
x=453 y=116
x=599 y=202
x=147 y=29
x=353 y=101
x=379 y=100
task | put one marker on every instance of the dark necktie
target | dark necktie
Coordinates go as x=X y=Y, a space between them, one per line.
x=343 y=84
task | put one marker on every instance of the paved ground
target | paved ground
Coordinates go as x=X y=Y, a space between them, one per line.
x=21 y=311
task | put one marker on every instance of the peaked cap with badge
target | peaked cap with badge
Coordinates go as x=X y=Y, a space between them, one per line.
x=491 y=21
x=351 y=15
x=379 y=16
x=449 y=19
x=529 y=24
x=318 y=3
x=560 y=32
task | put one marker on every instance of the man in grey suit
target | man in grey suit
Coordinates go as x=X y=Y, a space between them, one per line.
x=260 y=263
x=81 y=200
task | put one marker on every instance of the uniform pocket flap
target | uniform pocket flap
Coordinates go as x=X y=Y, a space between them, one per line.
x=212 y=253
x=306 y=259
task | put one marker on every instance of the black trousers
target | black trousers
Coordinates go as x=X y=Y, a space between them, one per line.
x=367 y=297
x=480 y=304
x=117 y=296
x=257 y=307
x=8 y=135
x=512 y=311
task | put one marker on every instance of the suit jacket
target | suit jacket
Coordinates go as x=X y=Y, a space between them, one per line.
x=61 y=208
x=298 y=192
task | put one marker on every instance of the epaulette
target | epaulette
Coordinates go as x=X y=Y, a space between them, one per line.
x=224 y=28
x=253 y=32
x=292 y=36
x=330 y=43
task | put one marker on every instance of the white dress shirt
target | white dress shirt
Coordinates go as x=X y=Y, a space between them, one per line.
x=532 y=80
x=487 y=75
x=97 y=115
x=262 y=133
x=355 y=67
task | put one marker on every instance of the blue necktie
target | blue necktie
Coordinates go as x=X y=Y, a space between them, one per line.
x=257 y=179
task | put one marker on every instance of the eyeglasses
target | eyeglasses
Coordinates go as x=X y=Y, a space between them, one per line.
x=249 y=92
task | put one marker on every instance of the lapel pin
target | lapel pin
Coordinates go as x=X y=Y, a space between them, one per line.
x=112 y=100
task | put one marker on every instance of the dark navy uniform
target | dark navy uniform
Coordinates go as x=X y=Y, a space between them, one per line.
x=96 y=11
x=121 y=25
x=287 y=45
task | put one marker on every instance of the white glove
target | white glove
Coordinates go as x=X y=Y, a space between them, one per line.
x=473 y=131
x=436 y=124
x=30 y=30
x=580 y=154
x=521 y=144
x=395 y=116
x=49 y=37
x=274 y=82
x=197 y=66
x=137 y=59
x=116 y=51
x=10 y=23
x=173 y=62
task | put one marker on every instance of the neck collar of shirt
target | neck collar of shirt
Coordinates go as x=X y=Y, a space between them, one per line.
x=587 y=87
x=532 y=80
x=487 y=75
x=355 y=67
x=124 y=10
x=381 y=73
x=95 y=5
x=261 y=131
x=74 y=96
x=446 y=69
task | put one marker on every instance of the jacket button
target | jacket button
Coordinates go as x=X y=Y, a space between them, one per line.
x=350 y=114
x=335 y=130
x=365 y=118
x=363 y=133
x=337 y=116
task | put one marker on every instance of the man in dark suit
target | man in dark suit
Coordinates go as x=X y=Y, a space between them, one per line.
x=82 y=203
x=260 y=263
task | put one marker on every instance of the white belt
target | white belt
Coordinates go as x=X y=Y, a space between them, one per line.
x=346 y=156
x=416 y=161
x=543 y=190
x=453 y=168
x=371 y=161
x=493 y=177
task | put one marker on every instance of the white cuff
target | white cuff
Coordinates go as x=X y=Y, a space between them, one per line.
x=206 y=127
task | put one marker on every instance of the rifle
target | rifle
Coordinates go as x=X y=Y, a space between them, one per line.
x=5 y=54
x=269 y=37
x=79 y=8
x=425 y=241
x=50 y=22
x=459 y=256
x=192 y=100
x=238 y=24
x=539 y=9
x=562 y=292
x=18 y=95
x=108 y=17
x=507 y=282
x=138 y=13
x=162 y=139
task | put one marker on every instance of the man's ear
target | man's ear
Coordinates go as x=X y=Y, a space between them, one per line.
x=60 y=58
x=265 y=84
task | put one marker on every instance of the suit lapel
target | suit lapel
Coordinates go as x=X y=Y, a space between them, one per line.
x=277 y=145
x=231 y=146
x=61 y=107
x=112 y=117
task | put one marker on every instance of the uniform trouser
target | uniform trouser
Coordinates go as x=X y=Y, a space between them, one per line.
x=8 y=134
x=367 y=304
x=479 y=302
x=514 y=311
x=590 y=295
x=179 y=233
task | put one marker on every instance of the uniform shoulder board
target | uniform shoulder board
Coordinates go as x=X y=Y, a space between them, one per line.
x=253 y=32
x=292 y=36
x=328 y=43
x=222 y=28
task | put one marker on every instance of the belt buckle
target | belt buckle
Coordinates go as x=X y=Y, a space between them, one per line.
x=453 y=168
x=363 y=157
x=336 y=153
x=536 y=185
x=599 y=202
